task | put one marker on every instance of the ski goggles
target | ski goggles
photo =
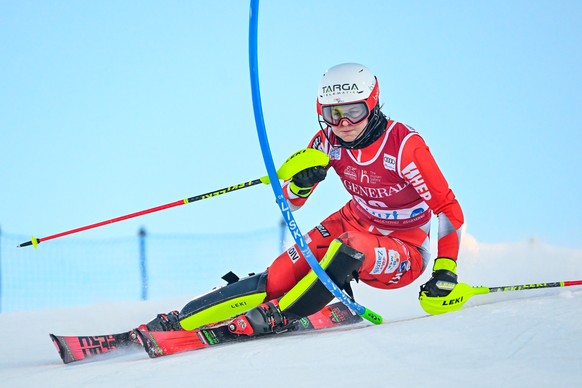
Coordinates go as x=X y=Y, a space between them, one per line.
x=354 y=112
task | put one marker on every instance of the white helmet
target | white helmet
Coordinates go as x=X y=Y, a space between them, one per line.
x=347 y=83
x=350 y=92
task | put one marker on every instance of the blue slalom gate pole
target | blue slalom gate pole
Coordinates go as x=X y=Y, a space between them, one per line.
x=269 y=164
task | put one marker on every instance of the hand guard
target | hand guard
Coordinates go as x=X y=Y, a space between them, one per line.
x=452 y=302
x=443 y=280
x=302 y=183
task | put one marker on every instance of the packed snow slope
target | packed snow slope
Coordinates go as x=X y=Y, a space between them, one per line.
x=513 y=339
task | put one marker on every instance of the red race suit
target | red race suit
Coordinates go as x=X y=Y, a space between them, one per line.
x=395 y=186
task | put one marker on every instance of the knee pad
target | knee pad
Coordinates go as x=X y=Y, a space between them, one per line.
x=225 y=302
x=341 y=263
x=390 y=263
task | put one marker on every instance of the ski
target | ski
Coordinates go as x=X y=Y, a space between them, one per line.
x=163 y=343
x=77 y=348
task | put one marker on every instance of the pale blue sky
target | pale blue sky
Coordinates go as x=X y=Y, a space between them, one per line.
x=111 y=107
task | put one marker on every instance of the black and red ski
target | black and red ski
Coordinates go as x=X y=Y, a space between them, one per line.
x=77 y=348
x=162 y=343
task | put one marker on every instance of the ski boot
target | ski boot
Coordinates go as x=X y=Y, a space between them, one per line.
x=263 y=319
x=165 y=322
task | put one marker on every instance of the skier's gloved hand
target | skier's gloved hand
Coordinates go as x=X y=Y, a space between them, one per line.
x=302 y=183
x=443 y=280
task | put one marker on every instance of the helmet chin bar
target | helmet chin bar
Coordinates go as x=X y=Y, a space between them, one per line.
x=373 y=130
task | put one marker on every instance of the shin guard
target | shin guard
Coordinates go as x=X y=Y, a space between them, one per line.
x=341 y=263
x=225 y=302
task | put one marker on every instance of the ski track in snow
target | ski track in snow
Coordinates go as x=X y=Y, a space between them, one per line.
x=532 y=341
x=512 y=339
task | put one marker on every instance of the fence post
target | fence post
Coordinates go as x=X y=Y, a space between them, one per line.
x=0 y=269
x=142 y=263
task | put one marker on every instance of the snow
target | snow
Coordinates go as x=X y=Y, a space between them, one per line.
x=511 y=339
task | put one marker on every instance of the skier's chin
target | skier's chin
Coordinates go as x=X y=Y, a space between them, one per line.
x=348 y=134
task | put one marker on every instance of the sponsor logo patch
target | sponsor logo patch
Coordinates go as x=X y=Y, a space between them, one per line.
x=340 y=89
x=393 y=261
x=322 y=230
x=413 y=175
x=317 y=143
x=293 y=254
x=381 y=261
x=404 y=266
x=389 y=162
x=416 y=212
x=350 y=172
x=335 y=154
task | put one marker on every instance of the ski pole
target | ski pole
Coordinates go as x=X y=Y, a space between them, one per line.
x=35 y=241
x=533 y=286
x=299 y=161
x=463 y=292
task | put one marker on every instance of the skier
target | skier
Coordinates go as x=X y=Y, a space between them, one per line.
x=379 y=237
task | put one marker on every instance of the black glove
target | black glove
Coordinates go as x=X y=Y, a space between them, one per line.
x=302 y=183
x=443 y=280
